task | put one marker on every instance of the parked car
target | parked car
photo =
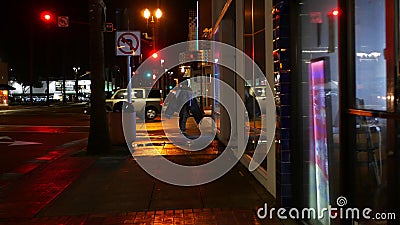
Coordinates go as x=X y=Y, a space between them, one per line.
x=148 y=107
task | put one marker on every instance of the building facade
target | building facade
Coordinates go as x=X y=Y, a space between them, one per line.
x=4 y=84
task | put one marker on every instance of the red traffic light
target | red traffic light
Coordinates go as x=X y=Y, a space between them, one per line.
x=334 y=12
x=46 y=16
x=154 y=55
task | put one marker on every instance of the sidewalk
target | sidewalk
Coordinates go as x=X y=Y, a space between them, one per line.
x=114 y=189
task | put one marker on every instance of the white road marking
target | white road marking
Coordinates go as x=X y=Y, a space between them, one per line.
x=11 y=142
x=16 y=143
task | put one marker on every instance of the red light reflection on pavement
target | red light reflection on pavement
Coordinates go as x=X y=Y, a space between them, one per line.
x=25 y=198
x=44 y=129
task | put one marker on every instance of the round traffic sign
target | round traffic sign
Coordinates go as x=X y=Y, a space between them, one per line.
x=127 y=43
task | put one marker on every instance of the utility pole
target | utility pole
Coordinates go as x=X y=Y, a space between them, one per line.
x=99 y=140
x=31 y=63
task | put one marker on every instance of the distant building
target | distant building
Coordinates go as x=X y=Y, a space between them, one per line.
x=4 y=88
x=193 y=29
x=55 y=89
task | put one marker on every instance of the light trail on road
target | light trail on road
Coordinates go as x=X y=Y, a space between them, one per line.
x=44 y=129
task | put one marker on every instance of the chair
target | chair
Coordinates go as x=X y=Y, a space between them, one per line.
x=369 y=140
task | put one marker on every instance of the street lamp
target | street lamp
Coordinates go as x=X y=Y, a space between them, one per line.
x=158 y=13
x=76 y=69
x=147 y=15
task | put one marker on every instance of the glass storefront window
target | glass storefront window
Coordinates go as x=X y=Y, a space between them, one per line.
x=370 y=43
x=254 y=40
x=370 y=169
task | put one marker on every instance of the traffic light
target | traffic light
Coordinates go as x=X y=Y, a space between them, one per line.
x=47 y=16
x=109 y=27
x=334 y=12
x=332 y=15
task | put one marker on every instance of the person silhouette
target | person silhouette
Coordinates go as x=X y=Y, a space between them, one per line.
x=184 y=97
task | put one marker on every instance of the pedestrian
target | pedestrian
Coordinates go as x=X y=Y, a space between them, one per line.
x=184 y=97
x=251 y=103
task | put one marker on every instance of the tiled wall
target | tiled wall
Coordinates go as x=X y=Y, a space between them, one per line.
x=282 y=73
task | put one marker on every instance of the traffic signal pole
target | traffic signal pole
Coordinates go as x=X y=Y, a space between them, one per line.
x=129 y=77
x=31 y=64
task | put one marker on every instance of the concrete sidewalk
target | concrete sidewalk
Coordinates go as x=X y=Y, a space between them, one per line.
x=114 y=189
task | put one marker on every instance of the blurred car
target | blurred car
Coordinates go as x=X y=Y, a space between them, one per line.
x=148 y=107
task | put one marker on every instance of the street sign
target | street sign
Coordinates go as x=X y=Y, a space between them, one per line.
x=127 y=43
x=315 y=17
x=63 y=21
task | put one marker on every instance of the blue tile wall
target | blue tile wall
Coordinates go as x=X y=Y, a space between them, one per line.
x=285 y=99
x=285 y=76
x=285 y=88
x=282 y=64
x=285 y=133
x=285 y=111
x=285 y=156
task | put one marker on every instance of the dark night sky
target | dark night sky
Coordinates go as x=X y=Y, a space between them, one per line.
x=59 y=49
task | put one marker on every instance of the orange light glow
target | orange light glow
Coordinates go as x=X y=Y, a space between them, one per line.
x=158 y=13
x=146 y=13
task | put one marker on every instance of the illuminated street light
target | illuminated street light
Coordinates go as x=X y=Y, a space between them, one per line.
x=146 y=13
x=158 y=13
x=155 y=23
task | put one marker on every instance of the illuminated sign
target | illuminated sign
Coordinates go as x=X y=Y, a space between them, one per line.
x=320 y=137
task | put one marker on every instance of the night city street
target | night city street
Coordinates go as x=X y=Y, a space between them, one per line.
x=47 y=177
x=200 y=112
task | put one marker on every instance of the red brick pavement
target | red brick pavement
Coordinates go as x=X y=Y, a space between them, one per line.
x=168 y=217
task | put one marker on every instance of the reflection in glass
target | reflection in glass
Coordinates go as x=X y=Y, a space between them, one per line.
x=370 y=43
x=370 y=167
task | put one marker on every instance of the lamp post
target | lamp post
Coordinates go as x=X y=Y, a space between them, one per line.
x=148 y=15
x=76 y=82
x=154 y=18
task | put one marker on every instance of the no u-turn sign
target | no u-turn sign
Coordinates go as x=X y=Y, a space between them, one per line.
x=127 y=43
